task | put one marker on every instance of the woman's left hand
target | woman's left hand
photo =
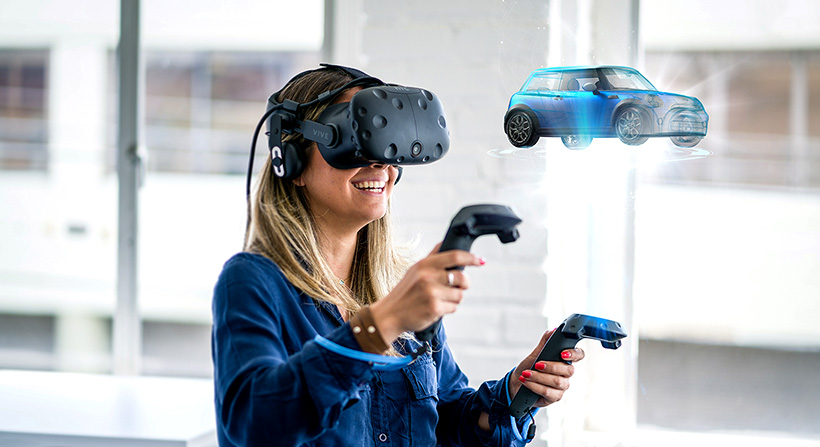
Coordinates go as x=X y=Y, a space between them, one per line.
x=549 y=380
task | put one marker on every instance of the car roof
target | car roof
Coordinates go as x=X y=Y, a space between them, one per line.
x=580 y=67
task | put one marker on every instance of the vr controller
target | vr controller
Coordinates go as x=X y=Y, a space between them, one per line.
x=470 y=223
x=566 y=336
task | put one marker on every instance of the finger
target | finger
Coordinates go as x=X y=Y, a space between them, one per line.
x=555 y=368
x=548 y=395
x=547 y=380
x=454 y=258
x=456 y=279
x=448 y=301
x=455 y=296
x=572 y=355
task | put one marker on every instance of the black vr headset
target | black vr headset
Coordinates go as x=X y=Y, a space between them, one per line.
x=383 y=124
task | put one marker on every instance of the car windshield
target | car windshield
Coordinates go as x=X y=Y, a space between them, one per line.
x=623 y=79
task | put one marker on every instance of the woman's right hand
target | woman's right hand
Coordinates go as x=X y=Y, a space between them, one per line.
x=425 y=294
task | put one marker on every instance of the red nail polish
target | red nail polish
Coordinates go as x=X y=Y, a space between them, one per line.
x=566 y=354
x=540 y=365
x=522 y=379
x=526 y=374
x=481 y=261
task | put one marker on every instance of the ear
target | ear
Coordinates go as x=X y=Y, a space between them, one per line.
x=298 y=181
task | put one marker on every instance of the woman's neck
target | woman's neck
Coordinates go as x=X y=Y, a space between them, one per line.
x=338 y=247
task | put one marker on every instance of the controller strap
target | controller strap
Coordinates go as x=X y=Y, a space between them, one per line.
x=526 y=427
x=379 y=362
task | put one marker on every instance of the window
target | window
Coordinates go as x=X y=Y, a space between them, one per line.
x=625 y=80
x=201 y=110
x=205 y=90
x=760 y=91
x=814 y=94
x=201 y=107
x=23 y=110
x=544 y=82
x=574 y=81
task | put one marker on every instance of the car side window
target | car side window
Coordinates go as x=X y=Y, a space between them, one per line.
x=544 y=82
x=573 y=81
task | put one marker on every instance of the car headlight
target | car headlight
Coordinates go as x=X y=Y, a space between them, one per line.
x=653 y=100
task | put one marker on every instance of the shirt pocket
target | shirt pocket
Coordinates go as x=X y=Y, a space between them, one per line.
x=421 y=378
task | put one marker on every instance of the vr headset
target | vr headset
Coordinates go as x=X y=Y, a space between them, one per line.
x=382 y=124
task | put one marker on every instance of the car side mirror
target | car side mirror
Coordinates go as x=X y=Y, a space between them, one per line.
x=590 y=87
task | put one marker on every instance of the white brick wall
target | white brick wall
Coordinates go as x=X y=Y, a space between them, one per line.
x=473 y=55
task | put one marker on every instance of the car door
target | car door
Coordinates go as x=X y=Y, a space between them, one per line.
x=582 y=110
x=544 y=99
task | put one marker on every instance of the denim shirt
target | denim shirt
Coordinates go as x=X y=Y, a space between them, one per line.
x=275 y=386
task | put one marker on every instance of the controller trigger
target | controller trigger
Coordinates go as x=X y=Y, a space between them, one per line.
x=509 y=236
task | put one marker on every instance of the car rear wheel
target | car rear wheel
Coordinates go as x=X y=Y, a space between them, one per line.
x=521 y=129
x=687 y=124
x=631 y=126
x=576 y=141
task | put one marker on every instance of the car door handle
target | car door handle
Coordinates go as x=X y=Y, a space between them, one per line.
x=557 y=98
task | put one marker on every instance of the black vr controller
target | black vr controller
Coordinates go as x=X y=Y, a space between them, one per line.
x=467 y=225
x=566 y=336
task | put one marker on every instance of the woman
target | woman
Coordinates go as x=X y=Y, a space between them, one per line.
x=319 y=260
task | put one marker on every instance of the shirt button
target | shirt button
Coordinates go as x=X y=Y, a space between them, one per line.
x=382 y=437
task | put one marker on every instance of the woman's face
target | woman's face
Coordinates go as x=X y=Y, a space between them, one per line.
x=346 y=198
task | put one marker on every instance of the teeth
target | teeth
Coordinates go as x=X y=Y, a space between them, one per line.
x=370 y=185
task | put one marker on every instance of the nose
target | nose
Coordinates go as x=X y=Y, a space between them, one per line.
x=378 y=165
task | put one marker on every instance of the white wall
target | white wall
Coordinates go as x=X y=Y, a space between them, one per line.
x=471 y=54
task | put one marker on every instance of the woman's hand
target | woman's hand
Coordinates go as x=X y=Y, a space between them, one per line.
x=549 y=380
x=426 y=293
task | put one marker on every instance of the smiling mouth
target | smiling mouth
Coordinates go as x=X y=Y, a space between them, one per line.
x=370 y=186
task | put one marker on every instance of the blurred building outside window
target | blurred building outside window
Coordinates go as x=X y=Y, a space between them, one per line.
x=24 y=108
x=205 y=90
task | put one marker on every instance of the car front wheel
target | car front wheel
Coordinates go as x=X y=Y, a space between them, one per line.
x=521 y=129
x=576 y=141
x=631 y=126
x=687 y=124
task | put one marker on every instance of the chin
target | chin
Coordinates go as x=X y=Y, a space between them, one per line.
x=377 y=213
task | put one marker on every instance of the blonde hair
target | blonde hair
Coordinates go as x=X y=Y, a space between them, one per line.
x=282 y=228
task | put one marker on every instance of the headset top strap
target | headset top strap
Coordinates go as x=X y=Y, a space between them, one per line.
x=354 y=72
x=359 y=78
